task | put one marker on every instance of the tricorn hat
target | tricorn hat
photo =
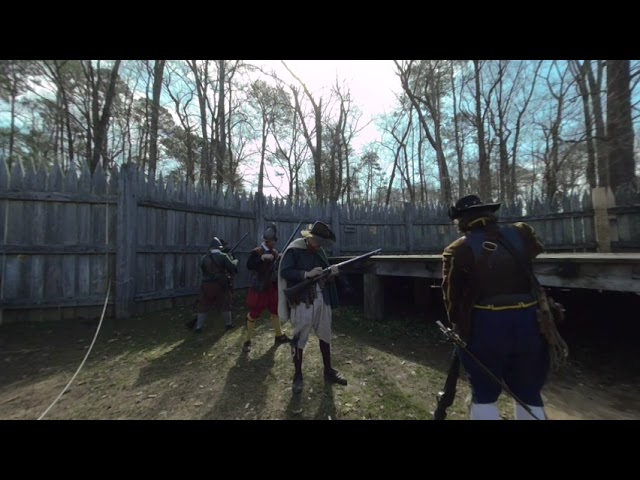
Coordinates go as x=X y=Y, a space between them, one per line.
x=470 y=203
x=321 y=233
x=270 y=232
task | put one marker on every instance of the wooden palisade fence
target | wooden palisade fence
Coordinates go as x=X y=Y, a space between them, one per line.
x=65 y=235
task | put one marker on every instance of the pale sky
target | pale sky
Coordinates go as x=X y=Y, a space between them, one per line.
x=372 y=84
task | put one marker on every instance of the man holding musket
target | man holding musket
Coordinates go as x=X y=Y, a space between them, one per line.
x=311 y=308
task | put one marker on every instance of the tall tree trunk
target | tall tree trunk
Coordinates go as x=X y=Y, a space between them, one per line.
x=316 y=150
x=201 y=89
x=579 y=73
x=12 y=128
x=619 y=124
x=405 y=72
x=483 y=160
x=221 y=145
x=595 y=86
x=513 y=184
x=263 y=148
x=158 y=71
x=456 y=130
x=101 y=121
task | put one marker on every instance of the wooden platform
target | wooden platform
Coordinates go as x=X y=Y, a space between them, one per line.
x=595 y=271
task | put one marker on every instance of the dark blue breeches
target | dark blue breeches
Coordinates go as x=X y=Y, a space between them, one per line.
x=509 y=344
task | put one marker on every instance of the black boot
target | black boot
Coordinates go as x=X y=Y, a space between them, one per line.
x=298 y=384
x=296 y=353
x=334 y=376
x=191 y=323
x=282 y=339
x=331 y=375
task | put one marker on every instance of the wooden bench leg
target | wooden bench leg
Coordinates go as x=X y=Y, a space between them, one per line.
x=373 y=297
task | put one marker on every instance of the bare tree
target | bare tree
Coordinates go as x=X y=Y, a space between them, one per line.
x=158 y=71
x=483 y=159
x=100 y=118
x=423 y=85
x=555 y=154
x=597 y=91
x=316 y=150
x=200 y=74
x=181 y=100
x=579 y=73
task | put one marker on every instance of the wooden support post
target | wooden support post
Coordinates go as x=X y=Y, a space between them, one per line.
x=605 y=227
x=373 y=297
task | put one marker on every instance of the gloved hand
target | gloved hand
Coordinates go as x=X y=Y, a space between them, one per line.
x=313 y=273
x=334 y=270
x=235 y=262
x=267 y=257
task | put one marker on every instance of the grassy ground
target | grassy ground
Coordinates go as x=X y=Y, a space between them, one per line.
x=152 y=367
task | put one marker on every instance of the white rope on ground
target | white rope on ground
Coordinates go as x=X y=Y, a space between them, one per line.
x=104 y=310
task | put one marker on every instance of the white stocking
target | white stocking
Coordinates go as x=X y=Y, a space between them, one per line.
x=484 y=411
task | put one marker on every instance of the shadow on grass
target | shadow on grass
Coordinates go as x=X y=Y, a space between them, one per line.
x=187 y=354
x=245 y=390
x=326 y=409
x=414 y=339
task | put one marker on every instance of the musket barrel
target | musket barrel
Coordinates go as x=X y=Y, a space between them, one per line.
x=291 y=292
x=238 y=243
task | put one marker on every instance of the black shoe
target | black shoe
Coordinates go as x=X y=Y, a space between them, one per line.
x=246 y=346
x=191 y=323
x=229 y=327
x=282 y=339
x=298 y=384
x=334 y=376
x=198 y=330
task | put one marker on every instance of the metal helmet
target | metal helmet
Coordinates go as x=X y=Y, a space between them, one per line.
x=216 y=243
x=270 y=232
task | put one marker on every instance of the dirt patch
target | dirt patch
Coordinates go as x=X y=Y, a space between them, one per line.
x=151 y=367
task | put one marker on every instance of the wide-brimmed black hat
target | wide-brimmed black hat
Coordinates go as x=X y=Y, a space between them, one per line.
x=470 y=203
x=321 y=233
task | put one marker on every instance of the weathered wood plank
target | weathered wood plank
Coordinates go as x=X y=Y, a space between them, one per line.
x=180 y=274
x=169 y=259
x=159 y=277
x=166 y=294
x=70 y=235
x=127 y=242
x=53 y=277
x=183 y=207
x=141 y=273
x=57 y=197
x=10 y=277
x=142 y=225
x=27 y=303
